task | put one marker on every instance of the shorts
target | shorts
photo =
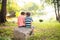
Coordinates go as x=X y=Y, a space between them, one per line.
x=21 y=26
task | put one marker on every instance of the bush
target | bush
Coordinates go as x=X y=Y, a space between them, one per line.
x=6 y=32
x=5 y=38
x=40 y=20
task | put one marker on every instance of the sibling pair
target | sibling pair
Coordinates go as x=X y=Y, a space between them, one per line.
x=24 y=20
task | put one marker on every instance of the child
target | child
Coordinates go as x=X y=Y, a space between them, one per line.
x=28 y=21
x=21 y=20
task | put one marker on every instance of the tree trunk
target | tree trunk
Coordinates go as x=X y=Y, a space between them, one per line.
x=3 y=12
x=56 y=5
x=58 y=10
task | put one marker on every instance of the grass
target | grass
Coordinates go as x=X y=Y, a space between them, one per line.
x=9 y=24
x=46 y=31
x=43 y=30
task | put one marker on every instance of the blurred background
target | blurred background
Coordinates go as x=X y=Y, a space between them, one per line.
x=45 y=14
x=40 y=9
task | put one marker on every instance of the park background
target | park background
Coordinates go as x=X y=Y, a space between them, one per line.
x=45 y=14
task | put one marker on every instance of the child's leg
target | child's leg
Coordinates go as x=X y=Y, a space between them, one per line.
x=32 y=32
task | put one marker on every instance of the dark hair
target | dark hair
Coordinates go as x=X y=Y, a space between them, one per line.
x=22 y=13
x=28 y=13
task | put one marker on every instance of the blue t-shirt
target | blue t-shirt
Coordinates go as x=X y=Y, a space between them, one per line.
x=28 y=21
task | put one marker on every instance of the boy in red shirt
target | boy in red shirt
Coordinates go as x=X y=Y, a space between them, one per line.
x=21 y=20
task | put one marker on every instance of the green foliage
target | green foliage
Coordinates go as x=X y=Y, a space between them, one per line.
x=43 y=31
x=12 y=6
x=46 y=31
x=32 y=7
x=49 y=1
x=8 y=24
x=4 y=38
x=5 y=32
x=0 y=6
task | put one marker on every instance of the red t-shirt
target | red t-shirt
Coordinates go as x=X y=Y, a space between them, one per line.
x=21 y=20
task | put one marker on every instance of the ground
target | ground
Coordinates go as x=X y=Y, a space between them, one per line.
x=43 y=30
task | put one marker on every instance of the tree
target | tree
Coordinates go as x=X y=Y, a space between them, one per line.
x=0 y=4
x=13 y=6
x=32 y=7
x=57 y=9
x=3 y=12
x=49 y=1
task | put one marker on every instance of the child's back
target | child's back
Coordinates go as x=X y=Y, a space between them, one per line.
x=21 y=20
x=28 y=20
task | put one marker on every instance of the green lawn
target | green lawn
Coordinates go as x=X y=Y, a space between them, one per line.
x=46 y=31
x=43 y=30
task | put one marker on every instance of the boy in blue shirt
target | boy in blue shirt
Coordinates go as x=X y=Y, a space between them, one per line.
x=28 y=21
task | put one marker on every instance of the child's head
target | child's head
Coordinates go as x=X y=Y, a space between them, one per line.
x=22 y=13
x=28 y=14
